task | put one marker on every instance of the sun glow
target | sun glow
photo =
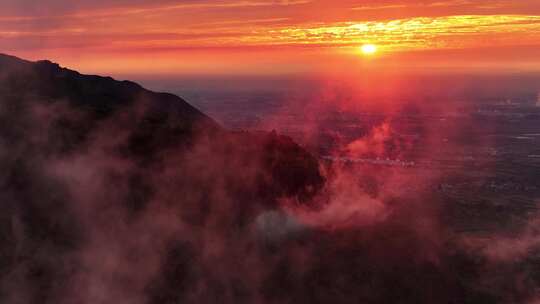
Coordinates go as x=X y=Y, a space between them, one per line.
x=368 y=49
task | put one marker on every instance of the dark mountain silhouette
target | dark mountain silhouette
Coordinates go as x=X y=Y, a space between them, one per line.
x=47 y=80
x=163 y=121
x=89 y=161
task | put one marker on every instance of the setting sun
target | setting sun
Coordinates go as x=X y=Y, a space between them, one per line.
x=368 y=49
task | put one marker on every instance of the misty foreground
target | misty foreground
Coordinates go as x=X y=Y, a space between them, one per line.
x=115 y=194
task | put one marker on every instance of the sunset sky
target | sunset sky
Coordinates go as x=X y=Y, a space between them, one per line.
x=273 y=37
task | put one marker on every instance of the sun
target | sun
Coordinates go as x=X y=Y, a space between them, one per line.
x=368 y=49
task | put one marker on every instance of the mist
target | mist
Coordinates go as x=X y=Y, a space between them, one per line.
x=124 y=195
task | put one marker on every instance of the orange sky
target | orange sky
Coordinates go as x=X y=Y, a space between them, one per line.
x=273 y=37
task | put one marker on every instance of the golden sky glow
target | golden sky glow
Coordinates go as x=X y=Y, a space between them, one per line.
x=215 y=36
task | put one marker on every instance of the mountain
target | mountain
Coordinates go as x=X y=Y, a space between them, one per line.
x=103 y=95
x=47 y=83
x=96 y=170
x=159 y=121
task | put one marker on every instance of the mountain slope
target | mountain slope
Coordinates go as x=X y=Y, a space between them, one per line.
x=48 y=80
x=94 y=169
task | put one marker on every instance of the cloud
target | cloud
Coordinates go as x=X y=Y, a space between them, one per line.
x=423 y=33
x=125 y=205
x=64 y=8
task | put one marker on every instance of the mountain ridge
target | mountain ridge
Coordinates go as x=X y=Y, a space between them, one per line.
x=49 y=80
x=94 y=168
x=156 y=122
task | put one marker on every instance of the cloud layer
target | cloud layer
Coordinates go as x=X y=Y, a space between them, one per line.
x=65 y=28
